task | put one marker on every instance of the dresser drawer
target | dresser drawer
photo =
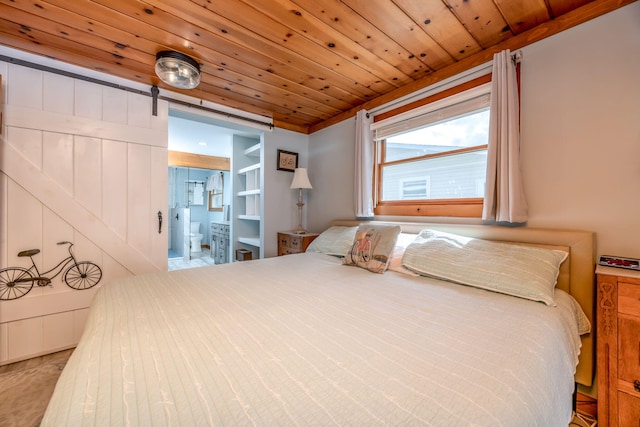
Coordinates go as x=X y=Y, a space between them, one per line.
x=629 y=299
x=628 y=350
x=292 y=243
x=284 y=244
x=628 y=410
x=219 y=228
x=618 y=329
x=295 y=243
x=283 y=240
x=289 y=241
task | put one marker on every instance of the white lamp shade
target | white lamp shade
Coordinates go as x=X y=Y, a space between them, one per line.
x=300 y=179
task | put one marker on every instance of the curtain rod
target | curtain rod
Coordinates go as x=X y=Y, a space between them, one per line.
x=482 y=69
x=130 y=89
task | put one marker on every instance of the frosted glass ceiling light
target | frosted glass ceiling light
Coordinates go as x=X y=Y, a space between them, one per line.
x=177 y=70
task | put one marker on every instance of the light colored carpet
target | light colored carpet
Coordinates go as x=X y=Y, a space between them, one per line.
x=26 y=387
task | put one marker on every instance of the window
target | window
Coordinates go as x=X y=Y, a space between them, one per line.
x=432 y=160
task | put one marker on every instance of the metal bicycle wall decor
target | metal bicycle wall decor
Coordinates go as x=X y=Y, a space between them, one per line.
x=16 y=282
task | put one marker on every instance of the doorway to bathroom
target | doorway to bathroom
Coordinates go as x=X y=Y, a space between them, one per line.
x=188 y=214
x=196 y=139
x=197 y=200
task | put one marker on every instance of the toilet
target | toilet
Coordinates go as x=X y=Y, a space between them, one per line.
x=196 y=237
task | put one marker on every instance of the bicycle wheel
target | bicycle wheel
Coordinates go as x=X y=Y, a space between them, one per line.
x=15 y=282
x=354 y=253
x=83 y=275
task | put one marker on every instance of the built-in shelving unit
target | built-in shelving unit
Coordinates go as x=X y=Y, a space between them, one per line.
x=248 y=203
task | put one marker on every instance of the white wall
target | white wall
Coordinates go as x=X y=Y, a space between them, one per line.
x=192 y=136
x=580 y=136
x=280 y=202
x=331 y=163
x=581 y=130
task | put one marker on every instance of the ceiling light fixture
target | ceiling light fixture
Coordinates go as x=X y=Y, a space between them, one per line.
x=177 y=70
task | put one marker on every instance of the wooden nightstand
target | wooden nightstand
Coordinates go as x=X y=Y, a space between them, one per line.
x=292 y=243
x=618 y=347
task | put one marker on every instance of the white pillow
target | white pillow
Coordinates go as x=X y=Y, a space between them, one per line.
x=404 y=240
x=522 y=271
x=335 y=240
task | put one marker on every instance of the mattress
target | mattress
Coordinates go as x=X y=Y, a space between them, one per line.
x=305 y=340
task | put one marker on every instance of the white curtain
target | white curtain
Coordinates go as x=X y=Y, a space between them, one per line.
x=363 y=181
x=504 y=199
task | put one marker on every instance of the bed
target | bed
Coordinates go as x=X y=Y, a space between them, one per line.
x=307 y=340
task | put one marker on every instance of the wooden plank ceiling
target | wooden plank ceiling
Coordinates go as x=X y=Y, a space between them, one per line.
x=303 y=63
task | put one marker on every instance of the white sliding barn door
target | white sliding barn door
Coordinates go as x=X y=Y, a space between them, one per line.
x=80 y=162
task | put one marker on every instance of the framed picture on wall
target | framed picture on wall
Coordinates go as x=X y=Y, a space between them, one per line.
x=287 y=161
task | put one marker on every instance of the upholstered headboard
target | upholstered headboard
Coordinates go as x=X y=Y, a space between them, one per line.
x=576 y=274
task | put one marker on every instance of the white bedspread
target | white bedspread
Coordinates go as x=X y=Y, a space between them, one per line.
x=304 y=340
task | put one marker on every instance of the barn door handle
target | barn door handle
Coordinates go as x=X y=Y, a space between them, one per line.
x=159 y=222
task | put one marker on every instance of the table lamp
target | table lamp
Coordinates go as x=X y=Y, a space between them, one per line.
x=300 y=182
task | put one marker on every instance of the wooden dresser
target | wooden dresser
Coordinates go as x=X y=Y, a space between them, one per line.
x=292 y=243
x=618 y=336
